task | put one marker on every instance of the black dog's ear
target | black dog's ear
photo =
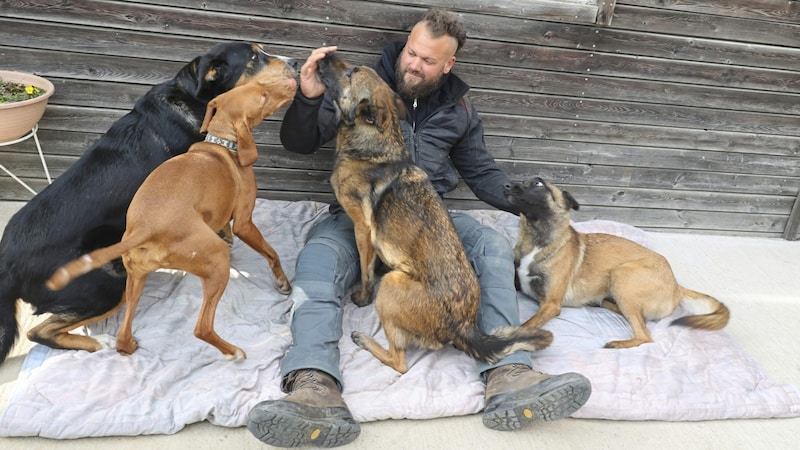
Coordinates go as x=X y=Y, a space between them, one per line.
x=211 y=74
x=571 y=202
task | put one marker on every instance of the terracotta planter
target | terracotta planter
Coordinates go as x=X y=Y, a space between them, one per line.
x=18 y=118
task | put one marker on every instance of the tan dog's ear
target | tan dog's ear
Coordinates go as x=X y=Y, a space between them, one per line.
x=570 y=200
x=247 y=152
x=211 y=109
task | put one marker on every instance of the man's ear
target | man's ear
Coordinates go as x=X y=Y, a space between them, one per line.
x=246 y=145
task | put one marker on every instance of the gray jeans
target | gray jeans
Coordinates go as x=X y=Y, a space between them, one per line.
x=328 y=266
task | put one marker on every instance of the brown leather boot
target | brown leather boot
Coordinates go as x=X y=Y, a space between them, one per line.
x=517 y=396
x=313 y=414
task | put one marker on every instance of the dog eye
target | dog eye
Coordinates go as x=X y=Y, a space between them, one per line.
x=253 y=57
x=538 y=184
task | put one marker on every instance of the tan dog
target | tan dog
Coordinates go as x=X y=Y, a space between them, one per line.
x=173 y=219
x=557 y=265
x=431 y=295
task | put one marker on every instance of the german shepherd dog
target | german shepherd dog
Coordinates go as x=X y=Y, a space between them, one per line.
x=556 y=265
x=430 y=296
x=84 y=209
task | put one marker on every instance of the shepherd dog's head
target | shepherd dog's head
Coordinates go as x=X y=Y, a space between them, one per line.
x=539 y=200
x=368 y=110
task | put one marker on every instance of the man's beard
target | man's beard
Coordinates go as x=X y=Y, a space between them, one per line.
x=420 y=90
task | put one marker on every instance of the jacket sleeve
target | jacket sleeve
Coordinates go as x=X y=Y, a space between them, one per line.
x=477 y=166
x=308 y=124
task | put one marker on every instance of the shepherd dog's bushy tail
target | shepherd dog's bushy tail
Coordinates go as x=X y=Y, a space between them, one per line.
x=501 y=342
x=708 y=313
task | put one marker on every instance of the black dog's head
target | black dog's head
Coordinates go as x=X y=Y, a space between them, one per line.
x=537 y=199
x=232 y=64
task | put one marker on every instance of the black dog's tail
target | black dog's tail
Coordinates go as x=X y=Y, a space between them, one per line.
x=9 y=328
x=501 y=342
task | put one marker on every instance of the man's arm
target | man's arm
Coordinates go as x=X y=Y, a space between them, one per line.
x=310 y=120
x=300 y=127
x=477 y=166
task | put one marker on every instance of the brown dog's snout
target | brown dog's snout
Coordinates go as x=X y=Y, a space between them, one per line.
x=290 y=62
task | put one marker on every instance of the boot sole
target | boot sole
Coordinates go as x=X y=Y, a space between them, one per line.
x=552 y=399
x=276 y=426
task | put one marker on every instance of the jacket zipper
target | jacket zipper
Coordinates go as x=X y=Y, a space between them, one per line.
x=414 y=116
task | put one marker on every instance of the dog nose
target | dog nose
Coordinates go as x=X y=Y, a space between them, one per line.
x=292 y=63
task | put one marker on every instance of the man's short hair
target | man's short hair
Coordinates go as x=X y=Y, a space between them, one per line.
x=441 y=22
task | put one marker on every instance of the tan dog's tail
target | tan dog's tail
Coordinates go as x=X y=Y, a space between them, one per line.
x=707 y=312
x=502 y=342
x=85 y=264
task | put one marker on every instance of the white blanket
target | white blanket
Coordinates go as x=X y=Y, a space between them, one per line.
x=174 y=379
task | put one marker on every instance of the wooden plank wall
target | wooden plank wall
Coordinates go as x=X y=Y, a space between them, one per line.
x=676 y=115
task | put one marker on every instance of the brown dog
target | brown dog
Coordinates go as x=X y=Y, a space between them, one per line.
x=210 y=185
x=431 y=295
x=557 y=265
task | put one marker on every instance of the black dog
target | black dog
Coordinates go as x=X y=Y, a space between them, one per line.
x=84 y=209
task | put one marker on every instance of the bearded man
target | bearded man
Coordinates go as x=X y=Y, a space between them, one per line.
x=445 y=136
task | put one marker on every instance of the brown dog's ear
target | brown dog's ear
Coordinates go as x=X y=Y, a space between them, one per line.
x=211 y=109
x=246 y=145
x=570 y=200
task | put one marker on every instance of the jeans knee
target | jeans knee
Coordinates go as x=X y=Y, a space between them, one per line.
x=496 y=245
x=327 y=254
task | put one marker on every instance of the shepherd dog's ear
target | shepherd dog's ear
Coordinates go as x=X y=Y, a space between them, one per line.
x=570 y=200
x=401 y=106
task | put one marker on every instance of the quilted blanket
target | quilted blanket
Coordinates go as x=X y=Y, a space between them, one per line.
x=174 y=379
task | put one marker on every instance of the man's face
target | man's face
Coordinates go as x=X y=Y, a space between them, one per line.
x=423 y=62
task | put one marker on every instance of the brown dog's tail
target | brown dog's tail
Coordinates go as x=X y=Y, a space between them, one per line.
x=85 y=264
x=706 y=312
x=502 y=342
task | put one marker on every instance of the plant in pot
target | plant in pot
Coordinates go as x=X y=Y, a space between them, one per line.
x=23 y=98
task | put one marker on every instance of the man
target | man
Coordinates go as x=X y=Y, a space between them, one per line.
x=443 y=132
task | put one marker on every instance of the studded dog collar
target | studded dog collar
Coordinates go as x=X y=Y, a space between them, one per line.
x=230 y=145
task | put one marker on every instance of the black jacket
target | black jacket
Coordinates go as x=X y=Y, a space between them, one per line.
x=444 y=133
